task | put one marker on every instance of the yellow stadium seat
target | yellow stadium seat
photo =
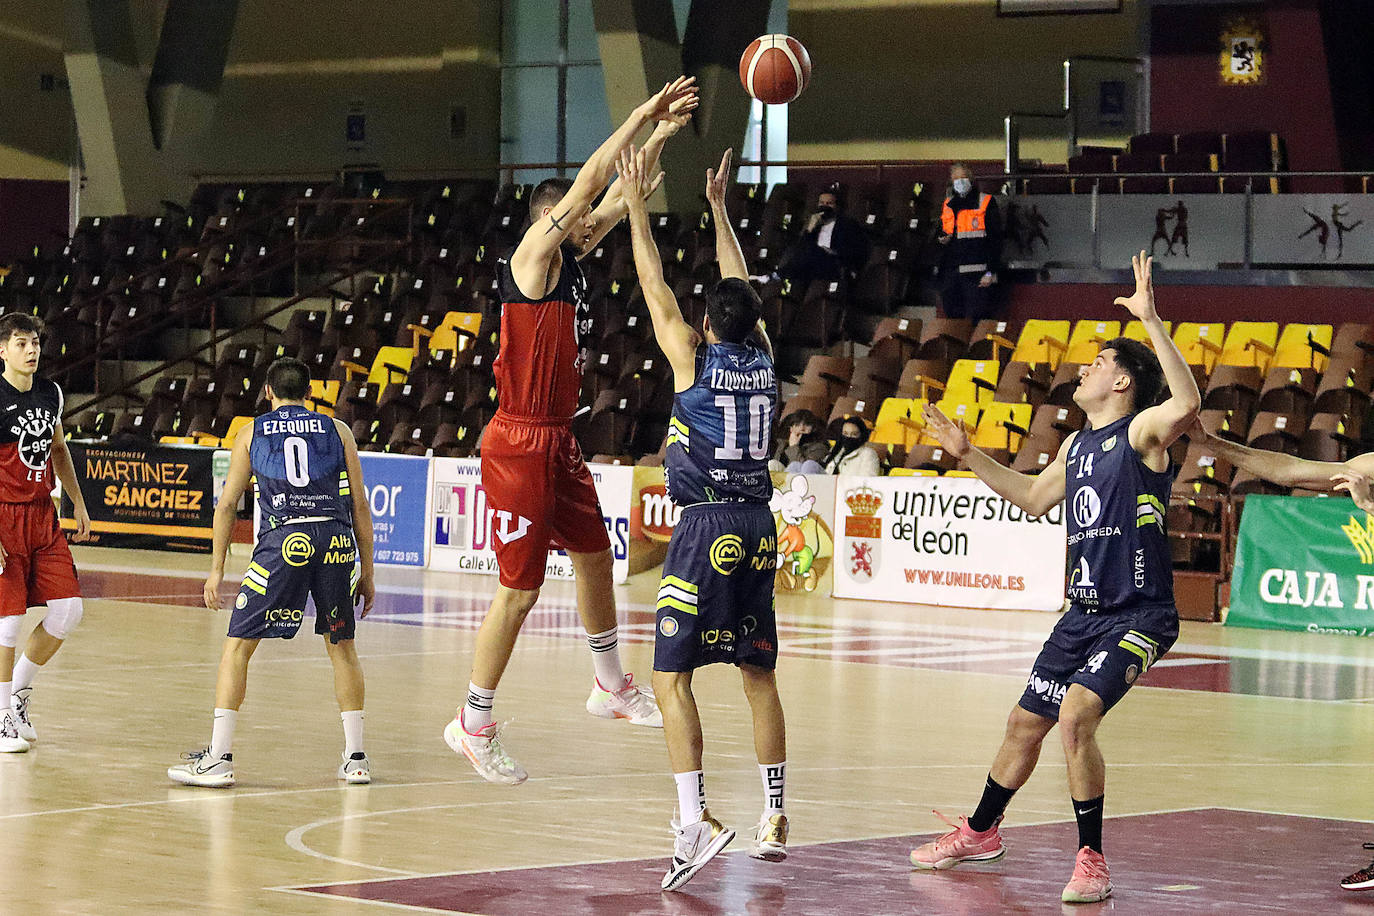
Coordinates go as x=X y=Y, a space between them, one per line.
x=899 y=422
x=235 y=425
x=392 y=364
x=1088 y=337
x=1135 y=330
x=1042 y=341
x=1293 y=350
x=1250 y=343
x=323 y=394
x=993 y=431
x=960 y=474
x=971 y=381
x=912 y=472
x=456 y=331
x=205 y=439
x=1200 y=344
x=178 y=440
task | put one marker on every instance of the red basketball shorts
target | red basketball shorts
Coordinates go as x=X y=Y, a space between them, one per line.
x=38 y=563
x=542 y=496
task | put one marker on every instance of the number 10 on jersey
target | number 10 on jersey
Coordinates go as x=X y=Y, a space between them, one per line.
x=758 y=410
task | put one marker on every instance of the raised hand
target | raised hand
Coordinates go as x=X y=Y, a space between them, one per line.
x=660 y=105
x=1357 y=485
x=679 y=113
x=718 y=181
x=952 y=436
x=634 y=180
x=1141 y=304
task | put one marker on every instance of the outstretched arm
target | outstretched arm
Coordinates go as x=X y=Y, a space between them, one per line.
x=1285 y=470
x=675 y=337
x=612 y=208
x=728 y=253
x=546 y=233
x=1157 y=428
x=1034 y=495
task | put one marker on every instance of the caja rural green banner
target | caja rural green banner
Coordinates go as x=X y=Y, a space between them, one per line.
x=1304 y=563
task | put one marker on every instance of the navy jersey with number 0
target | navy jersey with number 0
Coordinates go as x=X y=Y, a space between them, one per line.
x=1115 y=506
x=298 y=460
x=719 y=435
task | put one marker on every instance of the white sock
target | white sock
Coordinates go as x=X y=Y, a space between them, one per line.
x=774 y=776
x=24 y=670
x=222 y=737
x=353 y=731
x=477 y=709
x=5 y=702
x=606 y=658
x=691 y=796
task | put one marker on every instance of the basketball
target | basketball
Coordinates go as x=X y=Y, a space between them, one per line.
x=775 y=69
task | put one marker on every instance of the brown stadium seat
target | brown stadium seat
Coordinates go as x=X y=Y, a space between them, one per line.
x=896 y=338
x=919 y=377
x=826 y=376
x=1277 y=432
x=1290 y=389
x=875 y=378
x=1023 y=383
x=945 y=338
x=1233 y=388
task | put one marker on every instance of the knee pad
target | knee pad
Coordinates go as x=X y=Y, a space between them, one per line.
x=9 y=630
x=63 y=616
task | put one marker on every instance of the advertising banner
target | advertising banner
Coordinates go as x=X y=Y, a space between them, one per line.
x=157 y=497
x=1304 y=564
x=802 y=504
x=460 y=529
x=398 y=495
x=945 y=540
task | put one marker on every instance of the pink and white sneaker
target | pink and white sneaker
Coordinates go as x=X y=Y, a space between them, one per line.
x=960 y=845
x=1091 y=881
x=629 y=702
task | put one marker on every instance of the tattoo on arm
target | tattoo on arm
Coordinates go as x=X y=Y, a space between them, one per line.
x=556 y=223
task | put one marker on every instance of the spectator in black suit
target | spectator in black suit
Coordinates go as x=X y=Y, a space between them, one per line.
x=832 y=246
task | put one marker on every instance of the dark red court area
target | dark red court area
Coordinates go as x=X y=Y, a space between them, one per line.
x=1214 y=860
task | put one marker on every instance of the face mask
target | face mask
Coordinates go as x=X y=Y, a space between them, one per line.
x=962 y=186
x=826 y=212
x=851 y=442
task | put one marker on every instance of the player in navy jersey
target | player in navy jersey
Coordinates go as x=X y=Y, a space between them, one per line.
x=715 y=600
x=1121 y=618
x=315 y=541
x=35 y=563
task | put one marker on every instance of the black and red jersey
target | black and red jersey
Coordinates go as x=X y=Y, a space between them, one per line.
x=28 y=420
x=539 y=368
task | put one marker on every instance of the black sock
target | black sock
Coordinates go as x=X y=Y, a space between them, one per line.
x=990 y=807
x=1089 y=814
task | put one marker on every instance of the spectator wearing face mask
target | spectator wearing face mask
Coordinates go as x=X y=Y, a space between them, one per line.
x=851 y=456
x=801 y=448
x=832 y=246
x=971 y=231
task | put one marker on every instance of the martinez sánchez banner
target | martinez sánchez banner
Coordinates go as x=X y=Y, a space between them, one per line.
x=157 y=497
x=1304 y=563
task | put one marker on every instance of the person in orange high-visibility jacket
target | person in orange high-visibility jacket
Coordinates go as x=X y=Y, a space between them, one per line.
x=971 y=231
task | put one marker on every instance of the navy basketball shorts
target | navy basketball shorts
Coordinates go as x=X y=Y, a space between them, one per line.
x=715 y=600
x=291 y=564
x=1105 y=651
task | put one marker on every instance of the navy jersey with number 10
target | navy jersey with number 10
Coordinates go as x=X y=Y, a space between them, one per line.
x=721 y=429
x=298 y=460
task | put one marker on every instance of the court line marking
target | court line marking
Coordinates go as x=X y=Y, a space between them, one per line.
x=738 y=852
x=410 y=907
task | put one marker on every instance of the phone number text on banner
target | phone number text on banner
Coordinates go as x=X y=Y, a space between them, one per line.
x=1304 y=563
x=945 y=540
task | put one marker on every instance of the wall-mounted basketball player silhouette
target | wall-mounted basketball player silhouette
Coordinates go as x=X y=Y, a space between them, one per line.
x=1323 y=229
x=1179 y=236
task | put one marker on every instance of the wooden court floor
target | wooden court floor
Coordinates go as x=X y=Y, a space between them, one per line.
x=1236 y=781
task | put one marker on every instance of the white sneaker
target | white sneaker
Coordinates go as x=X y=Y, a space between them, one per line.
x=11 y=742
x=355 y=770
x=629 y=702
x=484 y=751
x=696 y=844
x=200 y=769
x=21 y=714
x=770 y=839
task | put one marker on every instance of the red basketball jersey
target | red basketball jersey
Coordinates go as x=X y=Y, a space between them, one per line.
x=539 y=369
x=27 y=422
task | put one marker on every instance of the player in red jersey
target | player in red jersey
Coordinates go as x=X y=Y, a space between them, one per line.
x=535 y=478
x=36 y=565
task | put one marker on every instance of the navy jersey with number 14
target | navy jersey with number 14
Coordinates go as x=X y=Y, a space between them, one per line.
x=298 y=460
x=719 y=435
